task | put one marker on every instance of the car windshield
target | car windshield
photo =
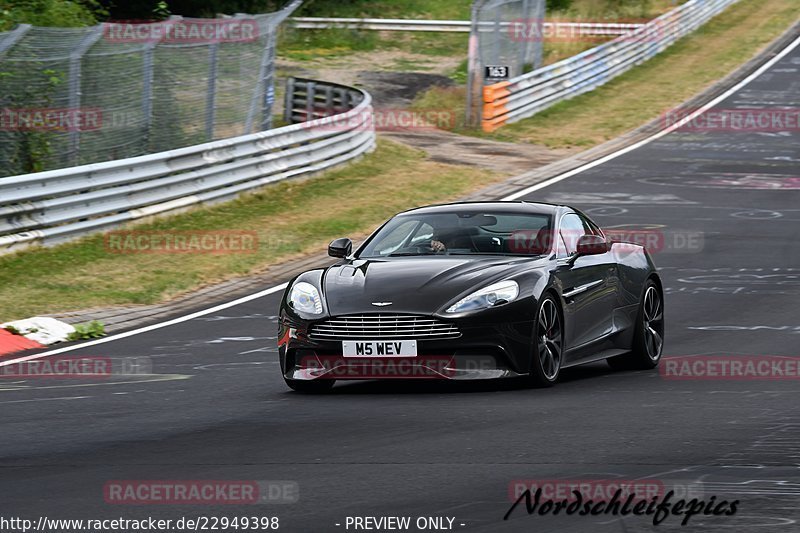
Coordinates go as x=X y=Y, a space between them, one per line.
x=462 y=233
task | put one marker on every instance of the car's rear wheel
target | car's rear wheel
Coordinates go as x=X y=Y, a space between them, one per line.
x=317 y=386
x=648 y=337
x=549 y=345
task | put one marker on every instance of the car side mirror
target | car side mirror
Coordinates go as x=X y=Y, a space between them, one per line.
x=592 y=245
x=340 y=247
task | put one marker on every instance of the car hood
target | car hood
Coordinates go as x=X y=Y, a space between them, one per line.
x=413 y=285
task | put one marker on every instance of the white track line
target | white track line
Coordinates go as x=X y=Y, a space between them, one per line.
x=151 y=327
x=766 y=66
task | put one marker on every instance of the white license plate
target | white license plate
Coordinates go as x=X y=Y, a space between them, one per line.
x=379 y=348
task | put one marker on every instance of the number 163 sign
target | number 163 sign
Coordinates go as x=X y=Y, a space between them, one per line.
x=496 y=72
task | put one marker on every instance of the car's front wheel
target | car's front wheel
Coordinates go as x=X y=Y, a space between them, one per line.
x=317 y=386
x=648 y=337
x=549 y=345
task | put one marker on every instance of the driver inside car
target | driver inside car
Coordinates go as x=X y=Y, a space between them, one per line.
x=452 y=238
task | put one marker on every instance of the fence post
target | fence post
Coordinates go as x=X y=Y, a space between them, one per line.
x=269 y=80
x=13 y=37
x=538 y=44
x=522 y=54
x=213 y=51
x=474 y=65
x=530 y=52
x=266 y=70
x=262 y=68
x=147 y=93
x=147 y=82
x=75 y=58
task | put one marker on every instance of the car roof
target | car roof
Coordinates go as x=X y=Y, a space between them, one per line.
x=520 y=207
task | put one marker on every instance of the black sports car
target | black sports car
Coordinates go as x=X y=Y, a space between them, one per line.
x=473 y=291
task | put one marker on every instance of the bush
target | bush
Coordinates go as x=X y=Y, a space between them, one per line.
x=59 y=13
x=558 y=5
x=89 y=330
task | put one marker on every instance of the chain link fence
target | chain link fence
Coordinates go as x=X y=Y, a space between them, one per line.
x=506 y=40
x=507 y=31
x=72 y=96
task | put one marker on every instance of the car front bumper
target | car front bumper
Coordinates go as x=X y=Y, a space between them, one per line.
x=482 y=351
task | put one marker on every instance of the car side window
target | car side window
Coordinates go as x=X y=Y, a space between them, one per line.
x=572 y=229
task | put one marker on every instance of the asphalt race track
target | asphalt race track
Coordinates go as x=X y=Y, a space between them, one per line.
x=214 y=406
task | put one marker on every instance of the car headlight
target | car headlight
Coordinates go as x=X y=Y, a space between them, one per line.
x=495 y=294
x=304 y=297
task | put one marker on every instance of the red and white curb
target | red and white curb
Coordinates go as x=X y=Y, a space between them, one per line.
x=36 y=332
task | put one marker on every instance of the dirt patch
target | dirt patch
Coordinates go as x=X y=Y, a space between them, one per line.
x=398 y=89
x=394 y=81
x=445 y=147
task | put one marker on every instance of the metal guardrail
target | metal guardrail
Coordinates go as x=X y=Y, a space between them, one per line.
x=55 y=206
x=526 y=95
x=461 y=26
x=310 y=99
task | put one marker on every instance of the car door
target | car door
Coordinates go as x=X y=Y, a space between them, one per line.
x=587 y=285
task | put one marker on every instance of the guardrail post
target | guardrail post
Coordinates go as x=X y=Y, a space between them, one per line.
x=329 y=101
x=288 y=101
x=75 y=58
x=310 y=95
x=343 y=99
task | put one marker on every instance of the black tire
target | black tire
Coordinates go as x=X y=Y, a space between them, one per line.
x=548 y=348
x=316 y=386
x=648 y=337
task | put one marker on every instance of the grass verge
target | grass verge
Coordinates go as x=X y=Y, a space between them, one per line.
x=311 y=45
x=290 y=219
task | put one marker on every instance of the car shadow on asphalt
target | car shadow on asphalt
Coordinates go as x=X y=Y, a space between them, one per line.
x=435 y=386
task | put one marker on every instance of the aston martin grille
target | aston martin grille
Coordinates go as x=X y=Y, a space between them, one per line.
x=383 y=326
